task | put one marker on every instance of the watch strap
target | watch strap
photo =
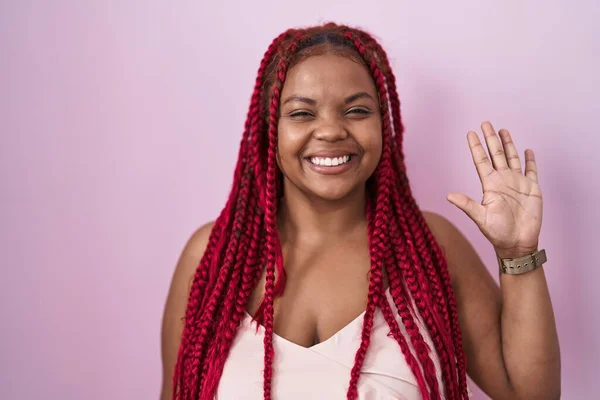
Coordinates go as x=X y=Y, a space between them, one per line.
x=521 y=265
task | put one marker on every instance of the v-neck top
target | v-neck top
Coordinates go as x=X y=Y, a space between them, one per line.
x=322 y=371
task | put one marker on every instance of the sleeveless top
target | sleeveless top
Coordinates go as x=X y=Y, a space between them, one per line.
x=322 y=371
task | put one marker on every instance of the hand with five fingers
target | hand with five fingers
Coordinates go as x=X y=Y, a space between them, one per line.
x=510 y=212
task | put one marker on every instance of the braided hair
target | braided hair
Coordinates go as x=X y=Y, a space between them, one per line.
x=244 y=240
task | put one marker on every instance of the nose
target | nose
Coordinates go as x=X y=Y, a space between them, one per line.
x=330 y=130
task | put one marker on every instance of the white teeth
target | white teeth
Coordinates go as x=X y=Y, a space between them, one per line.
x=330 y=161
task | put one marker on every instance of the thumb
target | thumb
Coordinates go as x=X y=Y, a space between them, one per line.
x=474 y=210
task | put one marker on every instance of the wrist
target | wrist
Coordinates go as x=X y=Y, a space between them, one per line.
x=516 y=252
x=511 y=265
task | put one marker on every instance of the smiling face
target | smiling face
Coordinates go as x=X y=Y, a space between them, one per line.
x=329 y=132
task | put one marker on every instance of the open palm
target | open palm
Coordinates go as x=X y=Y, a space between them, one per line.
x=510 y=213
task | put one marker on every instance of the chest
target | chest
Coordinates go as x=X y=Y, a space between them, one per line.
x=323 y=370
x=326 y=289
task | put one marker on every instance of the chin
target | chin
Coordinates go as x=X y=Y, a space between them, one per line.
x=332 y=191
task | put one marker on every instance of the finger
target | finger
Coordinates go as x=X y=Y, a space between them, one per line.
x=531 y=170
x=494 y=146
x=480 y=158
x=474 y=210
x=512 y=156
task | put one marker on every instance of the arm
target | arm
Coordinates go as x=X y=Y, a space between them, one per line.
x=509 y=335
x=177 y=298
x=530 y=341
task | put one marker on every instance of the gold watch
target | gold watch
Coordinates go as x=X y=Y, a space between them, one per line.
x=521 y=265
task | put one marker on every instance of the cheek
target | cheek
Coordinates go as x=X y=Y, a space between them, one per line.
x=372 y=141
x=377 y=145
x=375 y=154
x=290 y=142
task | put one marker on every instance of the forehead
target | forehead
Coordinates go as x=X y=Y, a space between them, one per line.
x=328 y=75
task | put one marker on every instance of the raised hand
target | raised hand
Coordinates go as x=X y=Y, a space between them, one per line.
x=510 y=213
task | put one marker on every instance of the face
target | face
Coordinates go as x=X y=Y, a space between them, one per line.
x=329 y=133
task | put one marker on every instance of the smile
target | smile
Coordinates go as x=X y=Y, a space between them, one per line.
x=330 y=161
x=340 y=164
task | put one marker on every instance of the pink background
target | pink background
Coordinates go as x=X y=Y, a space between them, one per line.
x=120 y=123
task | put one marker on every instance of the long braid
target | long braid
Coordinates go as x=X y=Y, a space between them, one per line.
x=251 y=265
x=271 y=229
x=441 y=262
x=196 y=293
x=197 y=328
x=232 y=312
x=221 y=276
x=440 y=290
x=448 y=357
x=422 y=227
x=238 y=245
x=416 y=338
x=215 y=302
x=217 y=295
x=200 y=282
x=413 y=277
x=441 y=332
x=217 y=238
x=400 y=295
x=379 y=231
x=395 y=282
x=416 y=282
x=398 y=127
x=429 y=244
x=271 y=221
x=410 y=358
x=201 y=327
x=255 y=115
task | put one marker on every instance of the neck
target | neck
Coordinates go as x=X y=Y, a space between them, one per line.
x=314 y=220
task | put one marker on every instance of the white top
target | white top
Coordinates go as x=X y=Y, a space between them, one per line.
x=322 y=371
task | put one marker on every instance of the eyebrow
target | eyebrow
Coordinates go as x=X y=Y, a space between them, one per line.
x=356 y=96
x=300 y=99
x=312 y=102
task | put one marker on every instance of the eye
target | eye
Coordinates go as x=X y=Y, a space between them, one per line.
x=359 y=111
x=300 y=114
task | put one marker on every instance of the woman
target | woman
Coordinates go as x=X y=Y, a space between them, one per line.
x=323 y=257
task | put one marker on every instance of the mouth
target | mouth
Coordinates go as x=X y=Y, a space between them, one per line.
x=331 y=161
x=332 y=165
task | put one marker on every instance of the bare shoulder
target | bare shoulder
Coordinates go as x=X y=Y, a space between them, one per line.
x=459 y=252
x=440 y=226
x=192 y=252
x=176 y=303
x=470 y=277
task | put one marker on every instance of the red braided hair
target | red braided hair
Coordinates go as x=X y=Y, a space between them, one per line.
x=245 y=240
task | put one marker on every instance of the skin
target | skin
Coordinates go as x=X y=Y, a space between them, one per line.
x=509 y=333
